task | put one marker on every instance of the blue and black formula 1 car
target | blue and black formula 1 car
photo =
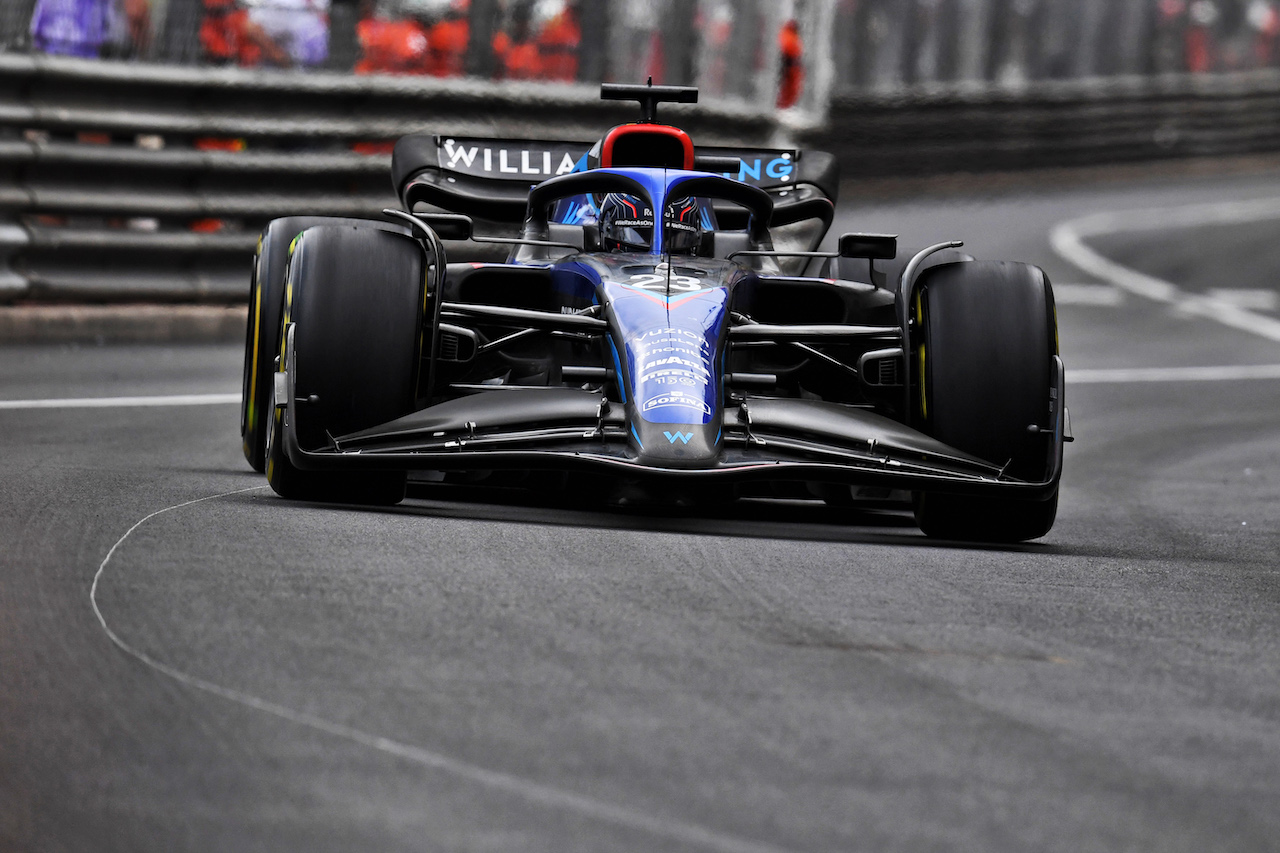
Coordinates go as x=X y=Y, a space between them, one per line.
x=662 y=329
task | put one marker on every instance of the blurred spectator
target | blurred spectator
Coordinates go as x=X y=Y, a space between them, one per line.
x=76 y=27
x=221 y=31
x=1264 y=19
x=447 y=42
x=517 y=54
x=229 y=36
x=290 y=32
x=283 y=33
x=433 y=36
x=390 y=45
x=791 y=50
x=718 y=44
x=137 y=14
x=1203 y=15
x=558 y=45
x=92 y=28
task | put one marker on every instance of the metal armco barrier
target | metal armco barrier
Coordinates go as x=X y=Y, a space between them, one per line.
x=1061 y=123
x=112 y=187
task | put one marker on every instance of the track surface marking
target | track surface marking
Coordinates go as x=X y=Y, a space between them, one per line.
x=124 y=402
x=533 y=791
x=1069 y=240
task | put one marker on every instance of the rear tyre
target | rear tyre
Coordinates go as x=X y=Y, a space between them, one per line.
x=262 y=337
x=354 y=295
x=984 y=365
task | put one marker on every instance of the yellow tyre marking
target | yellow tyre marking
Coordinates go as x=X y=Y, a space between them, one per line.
x=422 y=328
x=251 y=415
x=921 y=356
x=924 y=403
x=288 y=299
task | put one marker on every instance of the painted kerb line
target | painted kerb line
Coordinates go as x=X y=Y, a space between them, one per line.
x=123 y=402
x=1068 y=240
x=1226 y=373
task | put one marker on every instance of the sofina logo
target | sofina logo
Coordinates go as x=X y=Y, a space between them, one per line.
x=683 y=436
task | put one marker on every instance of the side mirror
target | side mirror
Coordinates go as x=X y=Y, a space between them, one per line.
x=449 y=226
x=875 y=247
x=715 y=163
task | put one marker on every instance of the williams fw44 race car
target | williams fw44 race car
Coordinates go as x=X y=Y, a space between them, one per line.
x=661 y=329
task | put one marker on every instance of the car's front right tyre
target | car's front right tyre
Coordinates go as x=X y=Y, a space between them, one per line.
x=983 y=346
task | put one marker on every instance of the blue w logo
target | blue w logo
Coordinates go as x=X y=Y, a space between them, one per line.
x=672 y=436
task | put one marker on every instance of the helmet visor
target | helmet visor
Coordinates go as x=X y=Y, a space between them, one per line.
x=679 y=237
x=632 y=233
x=682 y=226
x=626 y=223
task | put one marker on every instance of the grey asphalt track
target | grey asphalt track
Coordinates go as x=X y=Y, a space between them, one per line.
x=495 y=675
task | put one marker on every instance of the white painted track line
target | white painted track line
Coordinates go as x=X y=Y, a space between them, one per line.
x=1225 y=373
x=1068 y=240
x=123 y=402
x=1102 y=295
x=546 y=795
x=1252 y=298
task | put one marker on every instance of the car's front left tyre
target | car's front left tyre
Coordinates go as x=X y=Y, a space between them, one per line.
x=262 y=336
x=354 y=295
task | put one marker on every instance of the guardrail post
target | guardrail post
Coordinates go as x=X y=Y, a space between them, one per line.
x=744 y=40
x=593 y=61
x=13 y=238
x=483 y=23
x=767 y=78
x=179 y=40
x=344 y=46
x=15 y=21
x=679 y=44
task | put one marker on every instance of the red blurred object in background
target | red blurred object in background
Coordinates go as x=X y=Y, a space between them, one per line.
x=213 y=143
x=447 y=43
x=791 y=49
x=558 y=45
x=391 y=47
x=220 y=30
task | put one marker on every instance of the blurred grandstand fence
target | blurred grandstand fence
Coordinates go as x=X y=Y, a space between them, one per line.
x=1052 y=123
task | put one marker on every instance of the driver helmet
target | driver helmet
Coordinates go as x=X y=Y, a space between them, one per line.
x=682 y=227
x=626 y=223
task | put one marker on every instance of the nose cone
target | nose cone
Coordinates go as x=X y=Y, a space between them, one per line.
x=677 y=412
x=669 y=320
x=677 y=445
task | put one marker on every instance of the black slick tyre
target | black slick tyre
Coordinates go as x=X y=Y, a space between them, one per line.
x=354 y=295
x=983 y=351
x=262 y=336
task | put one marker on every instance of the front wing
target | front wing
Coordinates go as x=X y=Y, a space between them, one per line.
x=566 y=429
